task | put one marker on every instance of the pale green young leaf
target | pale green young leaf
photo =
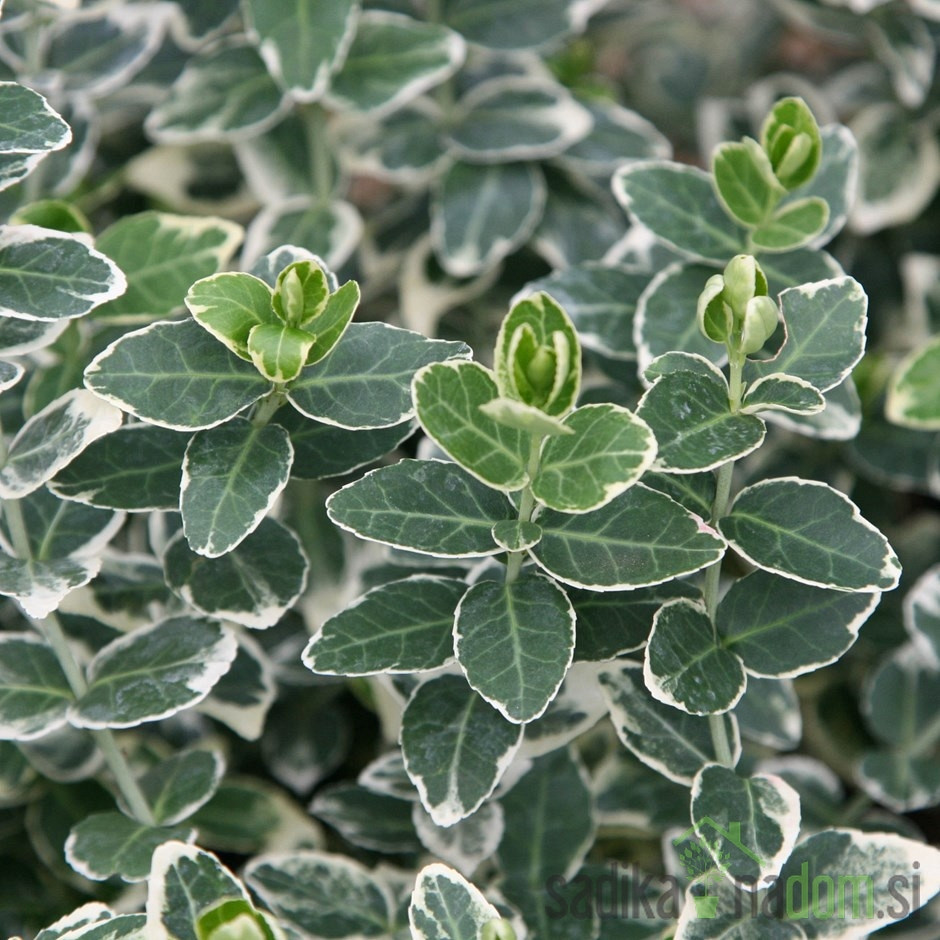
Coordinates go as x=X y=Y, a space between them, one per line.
x=792 y=226
x=690 y=414
x=749 y=825
x=515 y=535
x=370 y=820
x=481 y=214
x=516 y=118
x=684 y=665
x=673 y=743
x=515 y=641
x=223 y=94
x=135 y=468
x=790 y=136
x=393 y=59
x=608 y=452
x=80 y=280
x=549 y=821
x=612 y=623
x=781 y=628
x=322 y=895
x=914 y=393
x=678 y=205
x=40 y=586
x=176 y=787
x=175 y=375
x=269 y=267
x=745 y=181
x=153 y=673
x=769 y=713
x=783 y=393
x=52 y=438
x=445 y=906
x=230 y=305
x=330 y=325
x=231 y=476
x=106 y=844
x=601 y=300
x=426 y=506
x=864 y=863
x=56 y=214
x=639 y=539
x=537 y=322
x=448 y=398
x=807 y=531
x=279 y=352
x=825 y=333
x=456 y=747
x=302 y=43
x=162 y=255
x=34 y=693
x=301 y=291
x=366 y=381
x=518 y=416
x=402 y=626
x=254 y=584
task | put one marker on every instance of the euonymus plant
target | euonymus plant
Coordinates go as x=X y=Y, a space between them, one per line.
x=316 y=626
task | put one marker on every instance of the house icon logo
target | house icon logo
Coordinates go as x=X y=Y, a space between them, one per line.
x=705 y=851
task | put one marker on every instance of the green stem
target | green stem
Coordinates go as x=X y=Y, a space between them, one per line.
x=267 y=407
x=526 y=506
x=313 y=118
x=443 y=93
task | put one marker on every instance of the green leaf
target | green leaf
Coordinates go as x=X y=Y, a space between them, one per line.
x=94 y=921
x=515 y=535
x=782 y=393
x=393 y=59
x=224 y=94
x=914 y=393
x=728 y=913
x=807 y=531
x=790 y=137
x=781 y=628
x=322 y=450
x=690 y=414
x=769 y=713
x=135 y=468
x=836 y=182
x=18 y=337
x=456 y=747
x=34 y=693
x=279 y=352
x=366 y=381
x=80 y=280
x=153 y=673
x=302 y=43
x=673 y=743
x=793 y=225
x=694 y=491
x=549 y=824
x=745 y=181
x=322 y=895
x=510 y=413
x=665 y=316
x=825 y=333
x=922 y=611
x=402 y=626
x=685 y=667
x=10 y=374
x=445 y=906
x=175 y=375
x=903 y=782
x=176 y=787
x=107 y=844
x=481 y=214
x=161 y=255
x=526 y=24
x=31 y=128
x=448 y=398
x=373 y=821
x=465 y=844
x=425 y=506
x=749 y=825
x=608 y=452
x=51 y=439
x=514 y=641
x=254 y=584
x=864 y=865
x=232 y=474
x=537 y=328
x=230 y=305
x=516 y=118
x=55 y=214
x=639 y=539
x=839 y=420
x=40 y=586
x=330 y=325
x=612 y=623
x=678 y=205
x=188 y=886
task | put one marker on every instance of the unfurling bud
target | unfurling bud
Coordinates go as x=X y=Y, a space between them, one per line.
x=497 y=930
x=790 y=137
x=760 y=322
x=734 y=308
